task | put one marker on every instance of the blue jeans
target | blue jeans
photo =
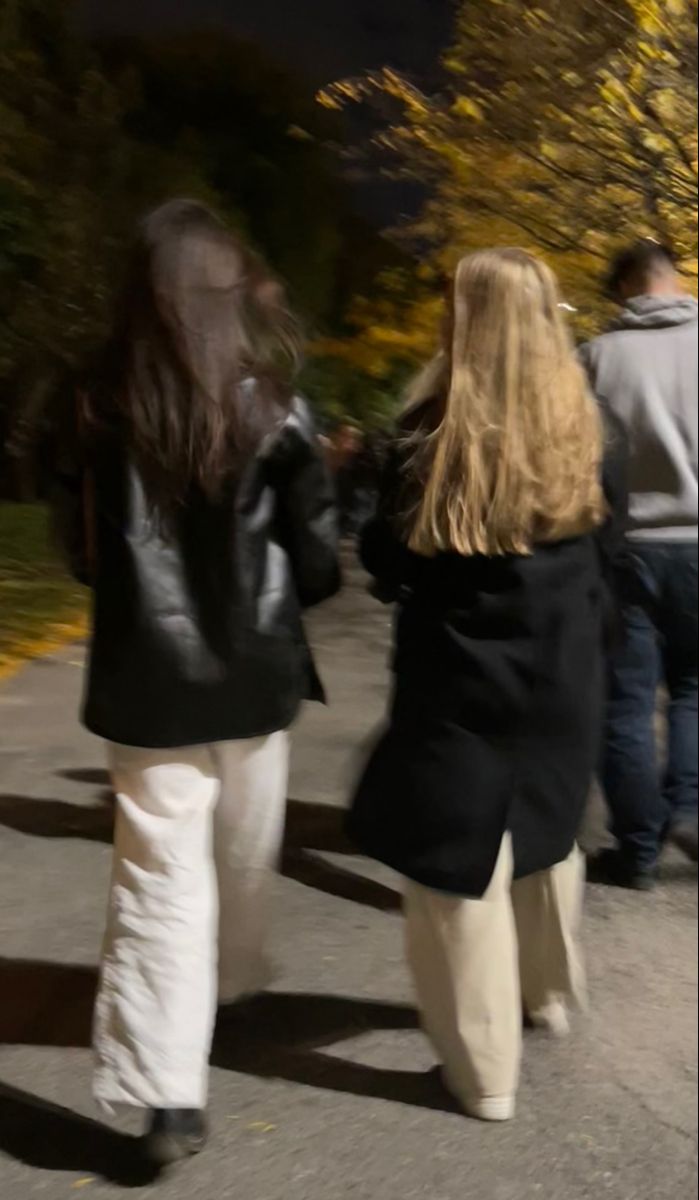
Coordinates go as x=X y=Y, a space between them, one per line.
x=660 y=646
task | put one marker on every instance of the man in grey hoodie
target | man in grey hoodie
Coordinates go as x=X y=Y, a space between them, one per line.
x=644 y=370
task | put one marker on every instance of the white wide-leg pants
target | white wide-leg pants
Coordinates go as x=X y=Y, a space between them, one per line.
x=198 y=837
x=479 y=964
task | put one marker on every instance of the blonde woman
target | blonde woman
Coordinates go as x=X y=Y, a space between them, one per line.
x=489 y=537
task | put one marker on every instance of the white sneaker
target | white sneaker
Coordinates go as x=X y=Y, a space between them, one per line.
x=483 y=1108
x=553 y=1017
x=492 y=1108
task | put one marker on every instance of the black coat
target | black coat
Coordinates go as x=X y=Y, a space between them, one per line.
x=495 y=720
x=197 y=630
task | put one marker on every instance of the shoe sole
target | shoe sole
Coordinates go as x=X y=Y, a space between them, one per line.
x=164 y=1151
x=493 y=1109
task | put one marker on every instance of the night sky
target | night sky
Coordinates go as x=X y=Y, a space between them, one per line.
x=322 y=39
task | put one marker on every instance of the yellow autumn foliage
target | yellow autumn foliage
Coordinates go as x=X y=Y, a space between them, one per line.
x=568 y=127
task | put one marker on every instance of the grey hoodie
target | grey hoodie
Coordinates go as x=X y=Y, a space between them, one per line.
x=645 y=371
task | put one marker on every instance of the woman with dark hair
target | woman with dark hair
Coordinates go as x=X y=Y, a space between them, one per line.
x=203 y=518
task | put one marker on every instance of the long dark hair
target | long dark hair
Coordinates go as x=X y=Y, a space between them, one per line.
x=199 y=315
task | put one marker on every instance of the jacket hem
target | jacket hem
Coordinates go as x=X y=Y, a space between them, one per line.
x=168 y=743
x=447 y=884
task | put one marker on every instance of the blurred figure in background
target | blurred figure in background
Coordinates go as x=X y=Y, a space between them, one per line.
x=348 y=448
x=345 y=442
x=362 y=486
x=354 y=459
x=203 y=516
x=645 y=371
x=488 y=534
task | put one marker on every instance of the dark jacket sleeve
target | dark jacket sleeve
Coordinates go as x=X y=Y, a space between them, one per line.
x=307 y=510
x=611 y=538
x=69 y=525
x=383 y=553
x=615 y=479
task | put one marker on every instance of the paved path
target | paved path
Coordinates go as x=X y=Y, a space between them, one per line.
x=322 y=1090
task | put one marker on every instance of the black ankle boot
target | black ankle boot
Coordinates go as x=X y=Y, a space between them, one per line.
x=685 y=835
x=175 y=1134
x=615 y=868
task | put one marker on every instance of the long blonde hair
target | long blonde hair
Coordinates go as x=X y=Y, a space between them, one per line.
x=516 y=457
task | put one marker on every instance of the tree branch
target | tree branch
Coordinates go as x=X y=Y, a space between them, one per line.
x=671 y=136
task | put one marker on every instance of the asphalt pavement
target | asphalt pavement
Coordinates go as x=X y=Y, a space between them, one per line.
x=324 y=1088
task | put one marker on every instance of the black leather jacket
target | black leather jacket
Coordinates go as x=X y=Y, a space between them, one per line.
x=197 y=633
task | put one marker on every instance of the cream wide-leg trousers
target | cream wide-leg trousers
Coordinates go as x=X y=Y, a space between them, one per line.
x=198 y=837
x=478 y=965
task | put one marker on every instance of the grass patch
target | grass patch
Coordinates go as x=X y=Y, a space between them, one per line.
x=37 y=595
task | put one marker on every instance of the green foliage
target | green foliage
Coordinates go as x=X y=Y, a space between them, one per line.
x=61 y=155
x=340 y=390
x=90 y=138
x=256 y=140
x=35 y=592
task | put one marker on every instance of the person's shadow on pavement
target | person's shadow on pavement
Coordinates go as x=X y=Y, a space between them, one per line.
x=51 y=1138
x=311 y=830
x=46 y=1004
x=95 y=776
x=283 y=1035
x=38 y=817
x=275 y=1036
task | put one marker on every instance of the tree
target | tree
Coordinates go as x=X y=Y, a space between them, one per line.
x=565 y=126
x=259 y=140
x=71 y=184
x=91 y=137
x=59 y=155
x=262 y=144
